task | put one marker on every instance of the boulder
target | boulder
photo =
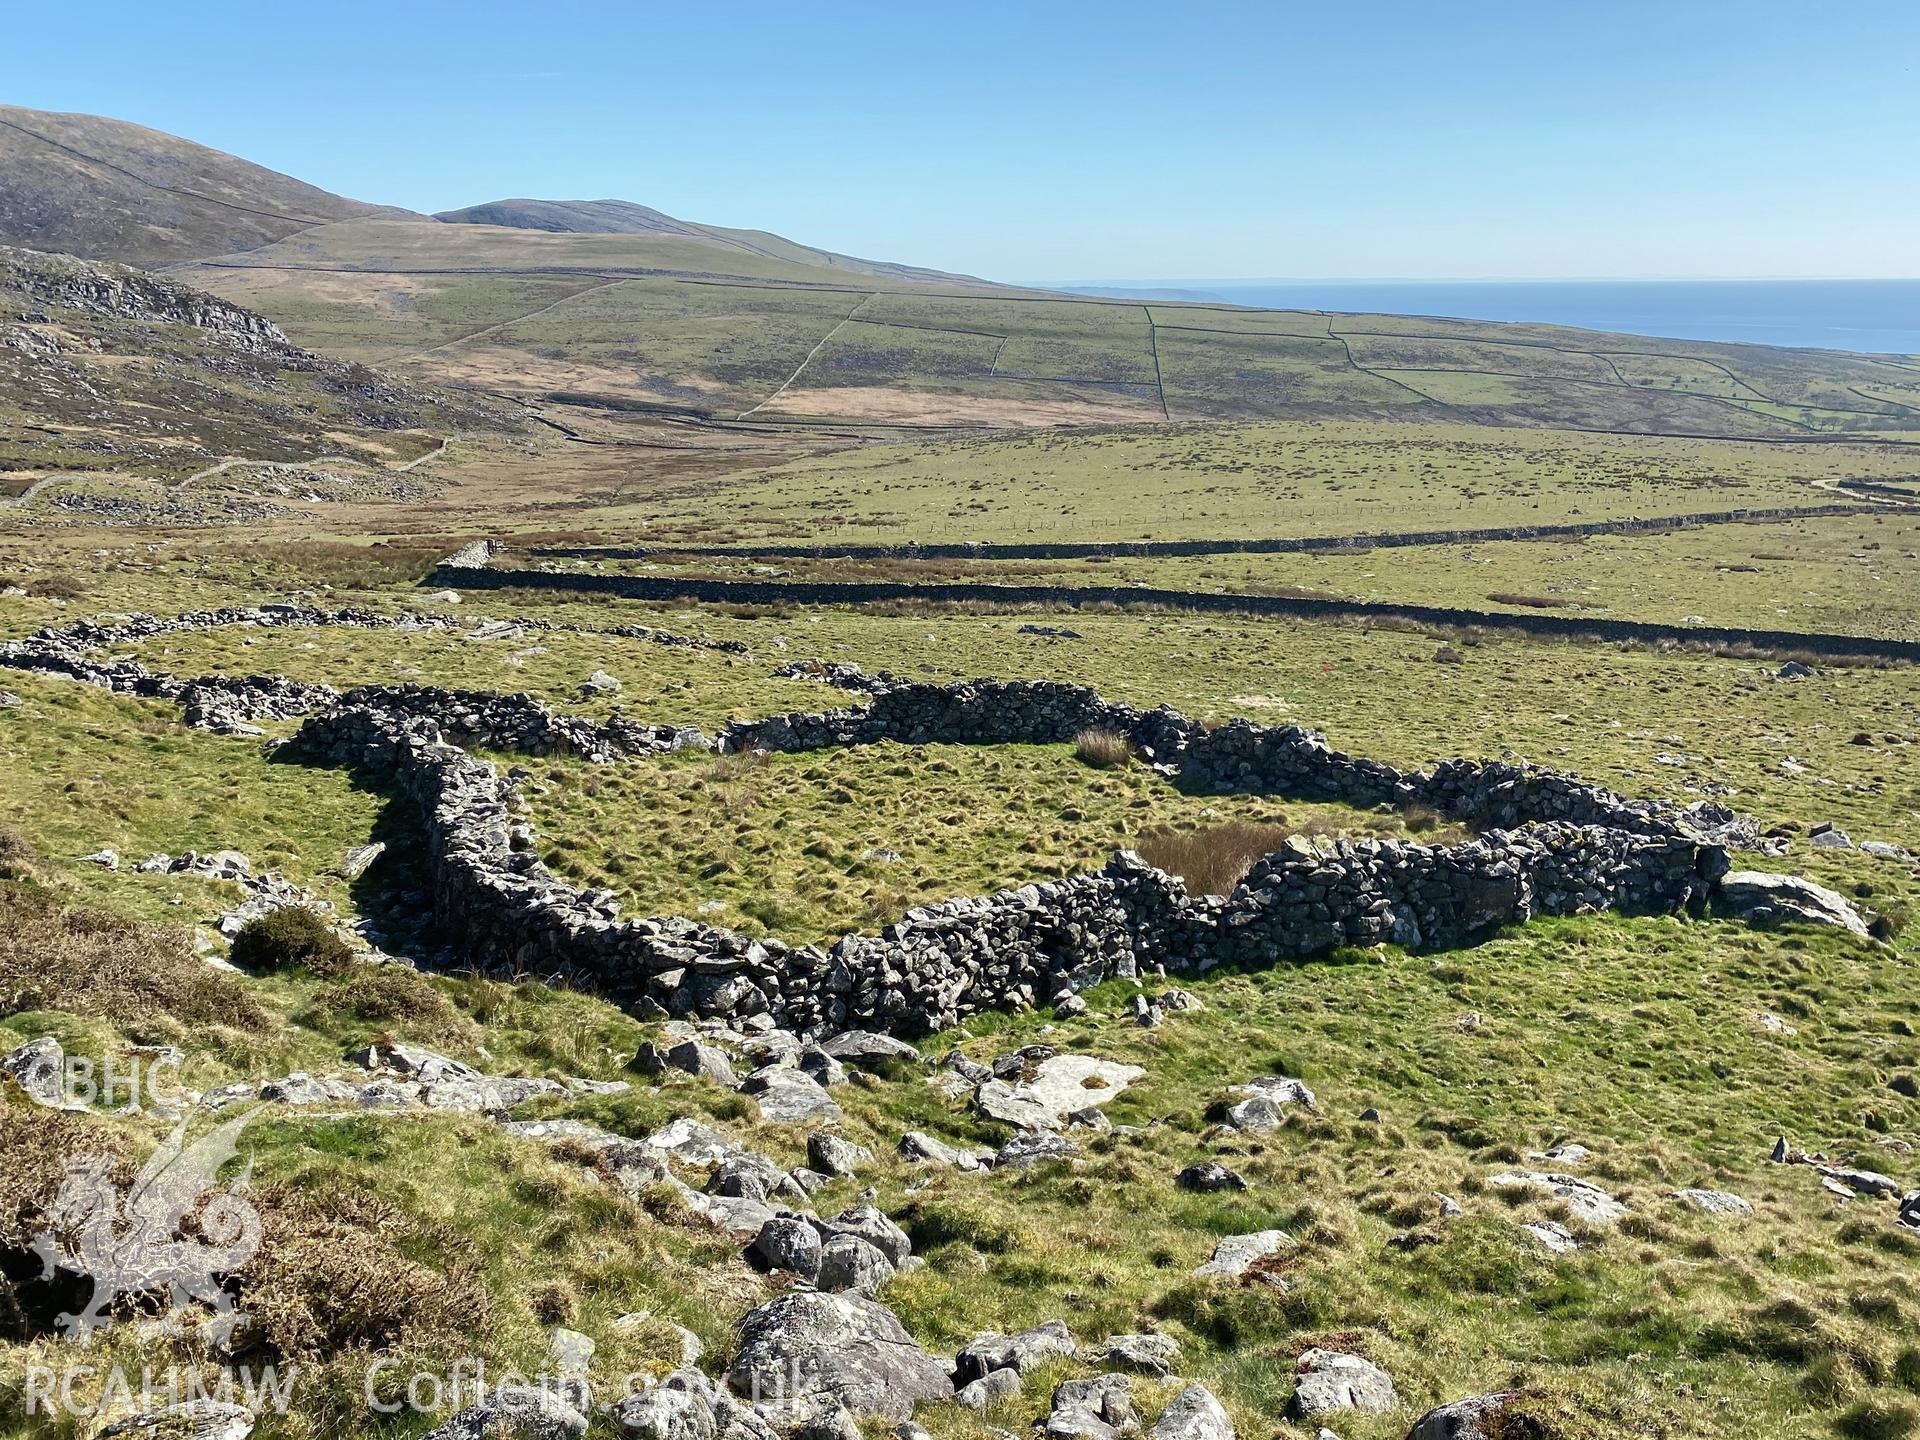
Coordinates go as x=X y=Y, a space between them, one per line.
x=1234 y=1255
x=1762 y=898
x=1210 y=1175
x=1280 y=1089
x=864 y=1047
x=994 y=1386
x=835 y=1154
x=1032 y=1147
x=789 y=1243
x=821 y=1067
x=703 y=1060
x=1587 y=1201
x=692 y=1143
x=396 y=1057
x=1256 y=1115
x=1022 y=1352
x=1552 y=1235
x=1147 y=1354
x=869 y=1224
x=520 y=1412
x=1713 y=1202
x=1474 y=1418
x=1328 y=1381
x=789 y=1096
x=997 y=1100
x=917 y=1146
x=811 y=1353
x=39 y=1068
x=1193 y=1414
x=1100 y=1408
x=201 y=1419
x=849 y=1264
x=663 y=1413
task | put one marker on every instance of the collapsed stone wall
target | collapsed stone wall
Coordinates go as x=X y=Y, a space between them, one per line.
x=1553 y=844
x=490 y=720
x=504 y=912
x=232 y=705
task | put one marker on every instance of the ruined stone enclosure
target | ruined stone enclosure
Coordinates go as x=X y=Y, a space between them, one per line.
x=1547 y=843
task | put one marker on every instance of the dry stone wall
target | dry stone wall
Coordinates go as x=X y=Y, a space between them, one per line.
x=231 y=705
x=1242 y=545
x=1580 y=628
x=505 y=912
x=1550 y=843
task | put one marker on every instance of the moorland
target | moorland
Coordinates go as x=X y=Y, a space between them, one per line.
x=226 y=425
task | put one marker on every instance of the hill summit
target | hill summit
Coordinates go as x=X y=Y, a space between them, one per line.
x=110 y=190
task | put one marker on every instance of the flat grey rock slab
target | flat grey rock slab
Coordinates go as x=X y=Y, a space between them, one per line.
x=1235 y=1254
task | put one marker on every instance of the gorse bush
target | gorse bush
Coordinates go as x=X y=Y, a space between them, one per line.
x=291 y=939
x=1102 y=749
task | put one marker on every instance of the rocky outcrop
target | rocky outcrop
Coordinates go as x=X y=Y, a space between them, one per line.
x=120 y=293
x=809 y=1356
x=1762 y=898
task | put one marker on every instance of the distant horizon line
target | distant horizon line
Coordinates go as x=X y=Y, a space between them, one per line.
x=1188 y=281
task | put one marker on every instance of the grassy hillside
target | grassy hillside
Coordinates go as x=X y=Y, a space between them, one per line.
x=1674 y=1050
x=109 y=190
x=623 y=217
x=704 y=322
x=110 y=371
x=611 y=303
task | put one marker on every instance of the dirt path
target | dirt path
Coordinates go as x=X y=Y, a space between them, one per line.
x=26 y=497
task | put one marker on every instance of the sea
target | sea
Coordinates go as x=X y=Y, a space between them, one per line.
x=1875 y=316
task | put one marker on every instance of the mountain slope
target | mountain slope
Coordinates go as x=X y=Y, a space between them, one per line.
x=574 y=217
x=109 y=190
x=624 y=217
x=105 y=368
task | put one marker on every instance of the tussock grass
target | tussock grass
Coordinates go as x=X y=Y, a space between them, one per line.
x=1102 y=749
x=1214 y=860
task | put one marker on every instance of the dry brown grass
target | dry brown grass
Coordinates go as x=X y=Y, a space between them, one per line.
x=339 y=1270
x=392 y=994
x=1214 y=860
x=37 y=1144
x=1102 y=749
x=1531 y=602
x=58 y=587
x=94 y=963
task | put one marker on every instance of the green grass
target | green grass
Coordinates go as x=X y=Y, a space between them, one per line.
x=934 y=351
x=1846 y=575
x=1640 y=1038
x=1208 y=482
x=811 y=846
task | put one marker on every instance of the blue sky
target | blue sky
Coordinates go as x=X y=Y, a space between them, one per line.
x=1087 y=142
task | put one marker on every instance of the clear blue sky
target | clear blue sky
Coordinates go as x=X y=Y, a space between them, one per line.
x=1113 y=140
